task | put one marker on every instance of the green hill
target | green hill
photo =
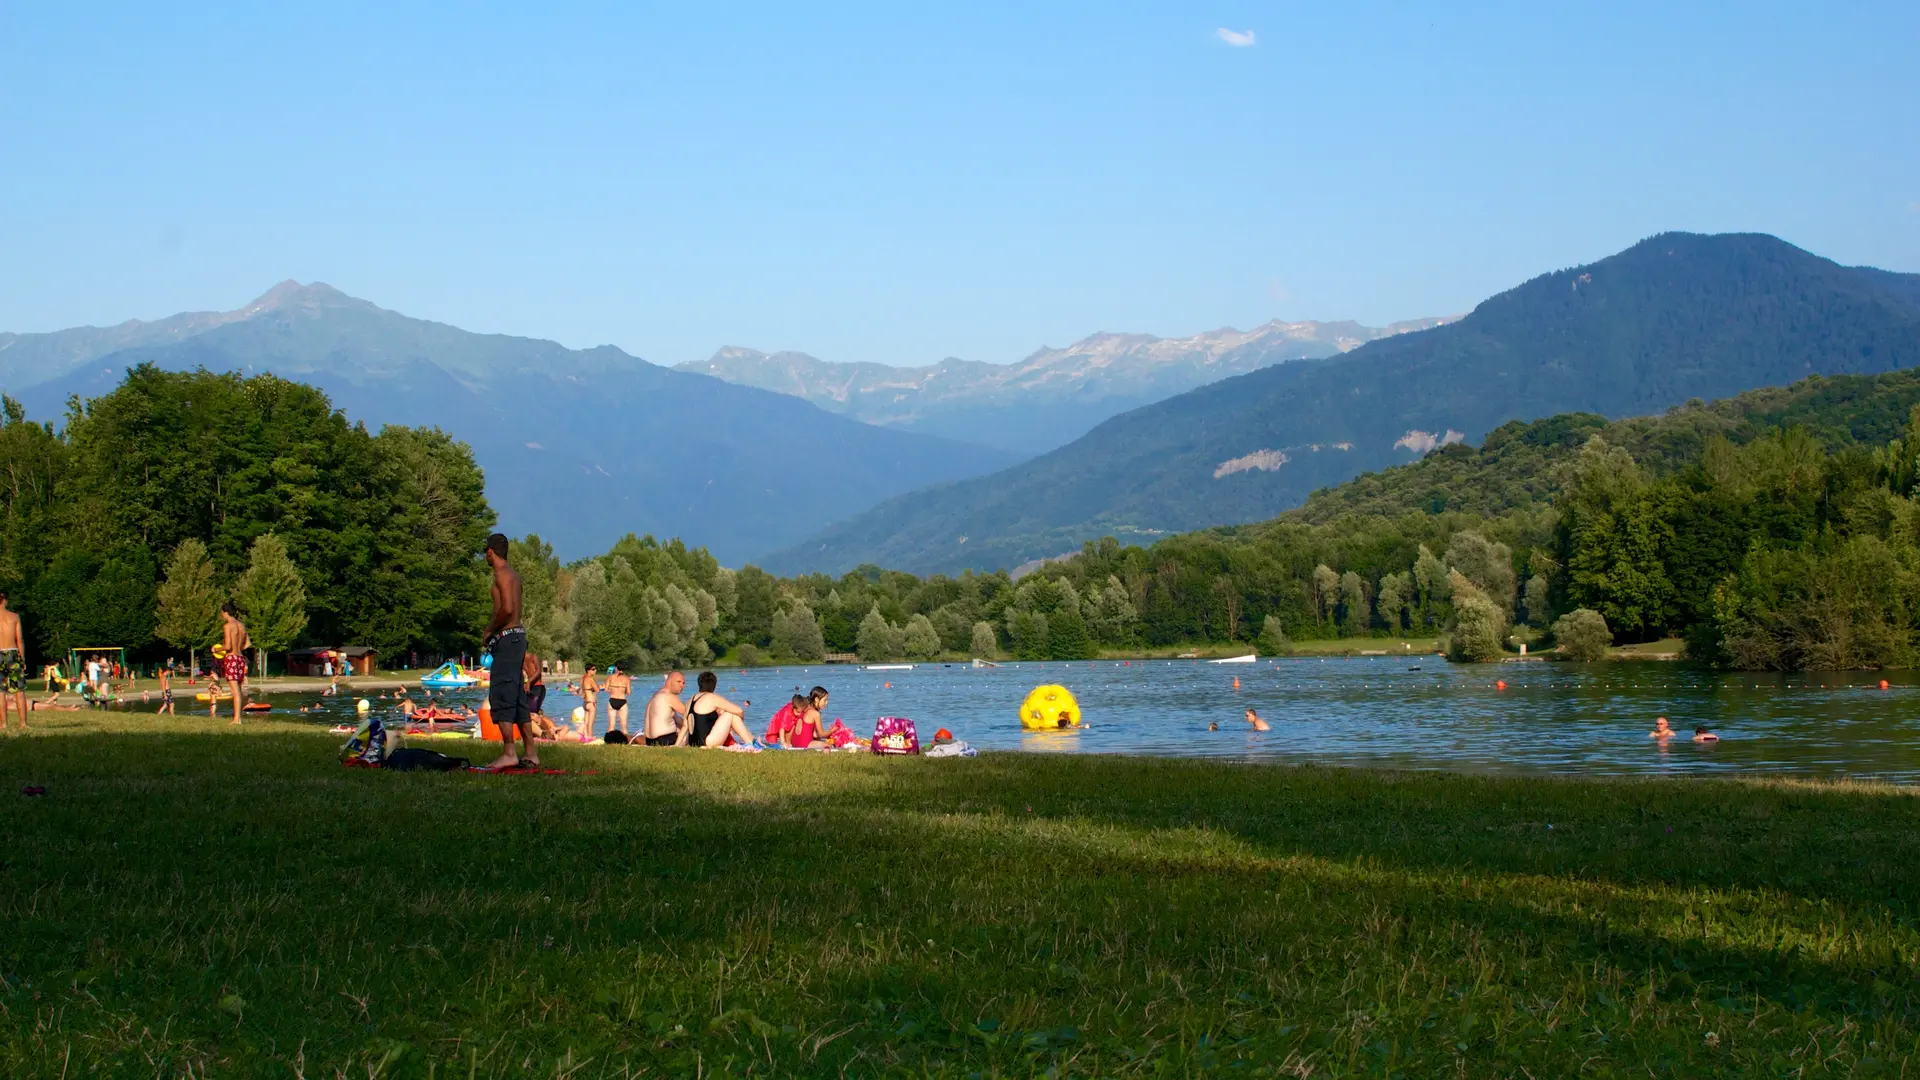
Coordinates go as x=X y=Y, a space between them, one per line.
x=1675 y=317
x=1516 y=467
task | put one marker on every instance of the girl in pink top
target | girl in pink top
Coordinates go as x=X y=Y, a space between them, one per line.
x=797 y=724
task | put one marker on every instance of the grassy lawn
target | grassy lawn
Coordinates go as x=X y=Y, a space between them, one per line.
x=1414 y=646
x=1331 y=647
x=1664 y=649
x=190 y=900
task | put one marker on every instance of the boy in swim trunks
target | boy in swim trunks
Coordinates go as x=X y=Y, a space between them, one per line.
x=13 y=665
x=507 y=638
x=234 y=665
x=166 y=690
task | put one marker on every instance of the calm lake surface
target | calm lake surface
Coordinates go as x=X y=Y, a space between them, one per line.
x=1401 y=712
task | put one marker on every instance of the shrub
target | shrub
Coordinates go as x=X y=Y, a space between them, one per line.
x=1273 y=636
x=986 y=644
x=1478 y=623
x=1583 y=635
x=922 y=641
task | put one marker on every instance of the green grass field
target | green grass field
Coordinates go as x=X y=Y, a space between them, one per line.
x=190 y=900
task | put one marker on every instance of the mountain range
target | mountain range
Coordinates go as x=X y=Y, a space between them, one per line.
x=1053 y=396
x=1675 y=317
x=581 y=446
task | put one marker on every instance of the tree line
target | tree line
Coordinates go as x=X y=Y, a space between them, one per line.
x=151 y=505
x=132 y=521
x=1780 y=553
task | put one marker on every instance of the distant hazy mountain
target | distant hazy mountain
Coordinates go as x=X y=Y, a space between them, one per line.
x=581 y=446
x=1675 y=317
x=1050 y=398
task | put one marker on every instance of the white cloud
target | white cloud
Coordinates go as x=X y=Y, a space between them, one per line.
x=1421 y=442
x=1239 y=39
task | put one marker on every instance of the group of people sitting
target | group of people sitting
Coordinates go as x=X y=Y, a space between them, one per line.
x=708 y=719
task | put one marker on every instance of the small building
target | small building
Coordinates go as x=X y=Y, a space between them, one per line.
x=347 y=660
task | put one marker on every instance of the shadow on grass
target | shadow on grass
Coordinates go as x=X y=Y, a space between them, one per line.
x=1002 y=912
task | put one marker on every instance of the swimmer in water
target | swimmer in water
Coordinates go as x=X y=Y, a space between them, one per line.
x=1213 y=726
x=1258 y=724
x=1661 y=730
x=1701 y=734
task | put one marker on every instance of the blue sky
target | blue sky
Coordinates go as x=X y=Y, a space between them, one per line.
x=899 y=183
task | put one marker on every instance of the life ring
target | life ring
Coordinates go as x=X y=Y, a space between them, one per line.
x=1044 y=708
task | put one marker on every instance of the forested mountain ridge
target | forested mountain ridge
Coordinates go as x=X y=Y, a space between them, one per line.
x=1519 y=466
x=1052 y=396
x=587 y=444
x=1675 y=317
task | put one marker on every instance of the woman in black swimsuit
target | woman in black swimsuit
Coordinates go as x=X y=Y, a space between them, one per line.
x=619 y=687
x=712 y=718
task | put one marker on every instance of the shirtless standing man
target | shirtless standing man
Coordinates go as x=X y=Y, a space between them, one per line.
x=13 y=665
x=507 y=638
x=234 y=664
x=589 y=696
x=619 y=689
x=666 y=713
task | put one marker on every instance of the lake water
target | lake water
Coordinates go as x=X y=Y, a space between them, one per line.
x=1403 y=712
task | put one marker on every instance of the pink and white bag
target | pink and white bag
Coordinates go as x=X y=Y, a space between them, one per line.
x=895 y=735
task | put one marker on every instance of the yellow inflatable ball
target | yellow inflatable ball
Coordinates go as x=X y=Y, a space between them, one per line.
x=579 y=715
x=362 y=705
x=219 y=652
x=1049 y=708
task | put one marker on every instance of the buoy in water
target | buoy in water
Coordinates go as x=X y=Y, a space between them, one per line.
x=1500 y=684
x=1883 y=684
x=1236 y=682
x=1049 y=707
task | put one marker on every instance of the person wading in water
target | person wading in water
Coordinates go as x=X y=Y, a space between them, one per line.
x=506 y=638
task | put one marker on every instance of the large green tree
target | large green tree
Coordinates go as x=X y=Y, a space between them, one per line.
x=189 y=601
x=271 y=597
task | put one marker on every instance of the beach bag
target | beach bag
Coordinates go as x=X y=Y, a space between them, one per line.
x=368 y=747
x=408 y=759
x=895 y=735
